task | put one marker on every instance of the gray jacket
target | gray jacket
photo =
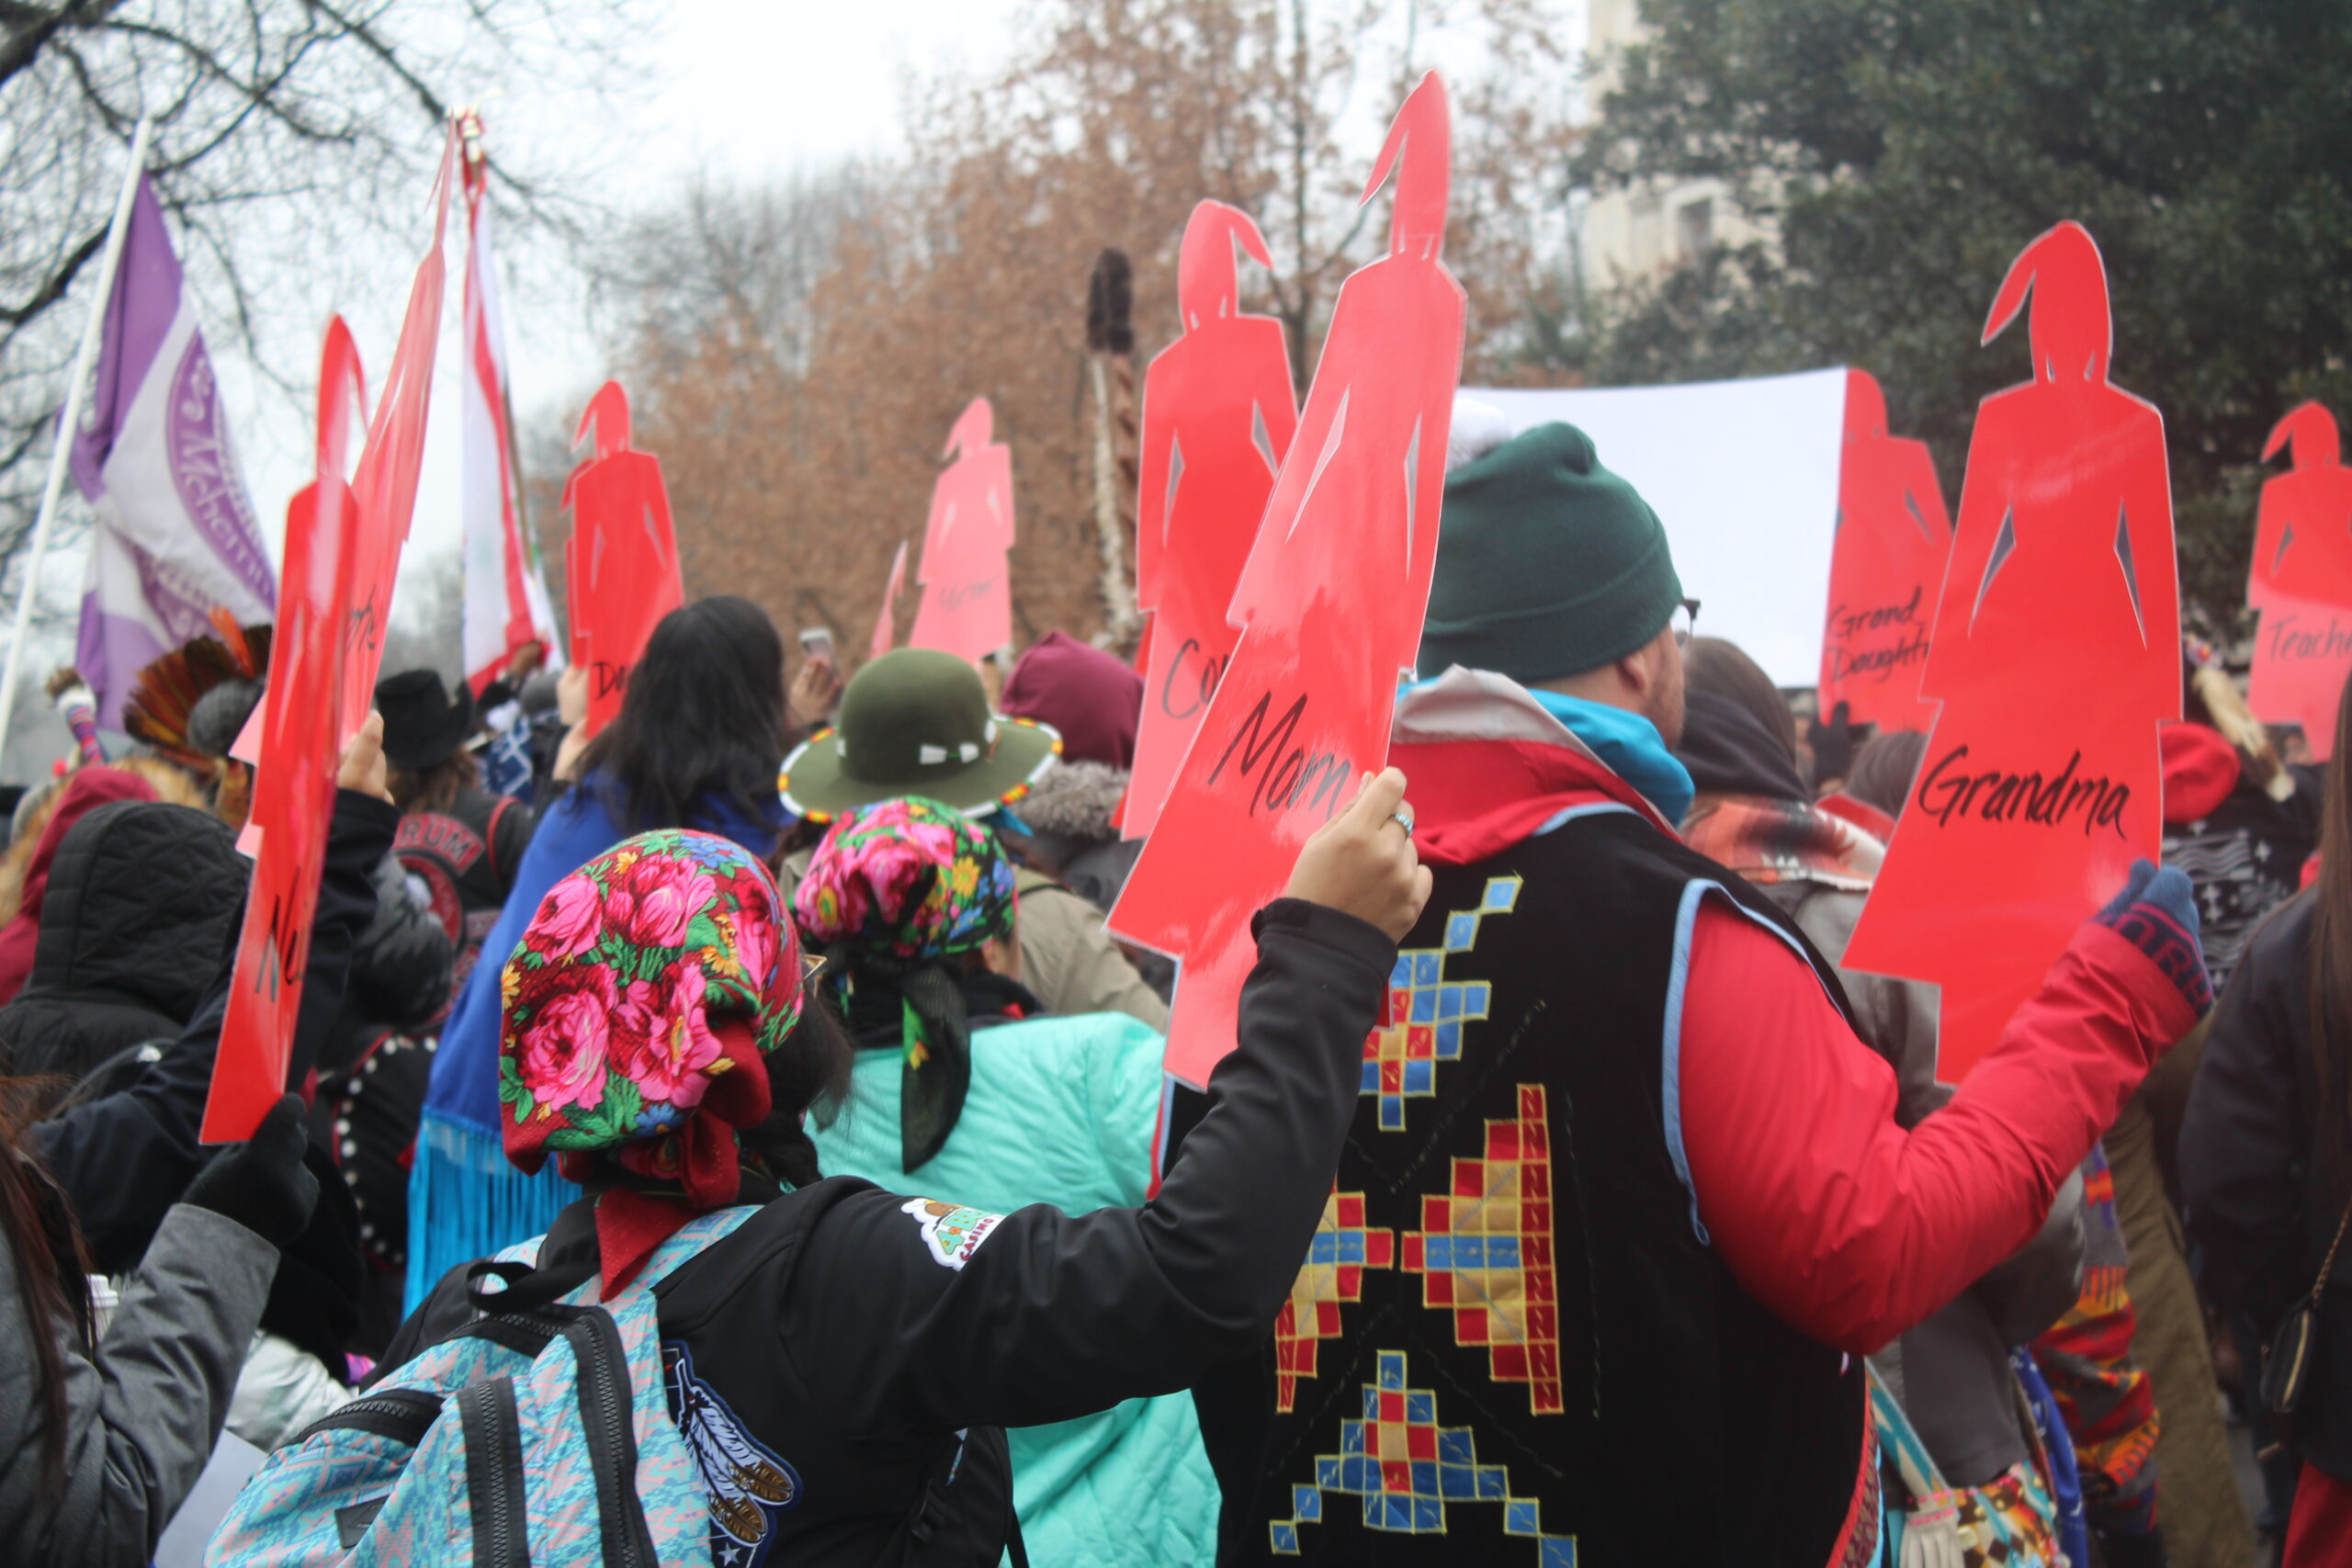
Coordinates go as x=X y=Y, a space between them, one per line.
x=143 y=1415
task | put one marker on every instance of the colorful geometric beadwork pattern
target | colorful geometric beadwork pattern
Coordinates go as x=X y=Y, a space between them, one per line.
x=1404 y=1468
x=1421 y=1019
x=1485 y=1252
x=1343 y=1248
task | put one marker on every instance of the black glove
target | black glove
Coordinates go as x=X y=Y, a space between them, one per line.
x=261 y=1183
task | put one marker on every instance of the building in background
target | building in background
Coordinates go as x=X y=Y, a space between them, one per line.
x=1630 y=236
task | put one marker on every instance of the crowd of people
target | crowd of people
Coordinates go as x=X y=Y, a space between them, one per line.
x=1564 y=1199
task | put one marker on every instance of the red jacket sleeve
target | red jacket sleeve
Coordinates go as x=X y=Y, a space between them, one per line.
x=1848 y=1228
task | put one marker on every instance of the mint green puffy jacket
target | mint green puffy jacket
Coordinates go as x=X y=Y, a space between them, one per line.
x=1062 y=1110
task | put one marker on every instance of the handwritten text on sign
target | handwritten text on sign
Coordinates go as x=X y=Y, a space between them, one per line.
x=1293 y=774
x=1947 y=790
x=1872 y=643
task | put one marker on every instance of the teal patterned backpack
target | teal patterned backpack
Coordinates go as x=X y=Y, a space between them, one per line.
x=533 y=1437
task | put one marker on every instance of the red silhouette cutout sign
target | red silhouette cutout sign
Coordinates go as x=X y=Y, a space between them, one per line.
x=386 y=479
x=622 y=560
x=2055 y=654
x=885 y=624
x=1330 y=601
x=1217 y=416
x=2302 y=582
x=294 y=783
x=966 y=591
x=1884 y=573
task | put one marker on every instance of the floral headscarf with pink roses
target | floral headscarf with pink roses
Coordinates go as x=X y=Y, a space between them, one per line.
x=639 y=1009
x=896 y=890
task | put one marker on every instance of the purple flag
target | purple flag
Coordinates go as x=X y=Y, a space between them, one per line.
x=175 y=534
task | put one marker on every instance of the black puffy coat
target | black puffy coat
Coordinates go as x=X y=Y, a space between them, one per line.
x=141 y=902
x=373 y=1070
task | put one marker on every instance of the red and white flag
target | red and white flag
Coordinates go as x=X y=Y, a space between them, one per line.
x=506 y=601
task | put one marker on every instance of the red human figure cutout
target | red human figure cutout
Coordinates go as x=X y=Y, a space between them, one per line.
x=1892 y=537
x=1330 y=603
x=2055 y=654
x=623 y=555
x=1217 y=416
x=294 y=783
x=966 y=591
x=386 y=478
x=2301 y=580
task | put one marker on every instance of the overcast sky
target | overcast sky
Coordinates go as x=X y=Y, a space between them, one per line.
x=736 y=88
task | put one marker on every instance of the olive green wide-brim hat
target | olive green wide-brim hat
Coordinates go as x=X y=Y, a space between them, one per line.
x=917 y=722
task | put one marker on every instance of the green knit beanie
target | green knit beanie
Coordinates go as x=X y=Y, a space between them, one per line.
x=1547 y=563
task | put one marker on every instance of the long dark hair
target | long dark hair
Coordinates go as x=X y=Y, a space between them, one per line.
x=807 y=1075
x=52 y=1266
x=703 y=722
x=2330 y=980
x=434 y=788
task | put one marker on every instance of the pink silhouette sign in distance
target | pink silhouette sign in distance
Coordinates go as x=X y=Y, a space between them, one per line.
x=2055 y=655
x=1330 y=604
x=622 y=558
x=2301 y=580
x=1217 y=416
x=966 y=605
x=1885 y=571
x=294 y=783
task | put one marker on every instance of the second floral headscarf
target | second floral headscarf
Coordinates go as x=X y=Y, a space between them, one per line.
x=899 y=892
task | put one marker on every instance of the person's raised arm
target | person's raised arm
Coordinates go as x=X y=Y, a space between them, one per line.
x=1850 y=1229
x=1038 y=1316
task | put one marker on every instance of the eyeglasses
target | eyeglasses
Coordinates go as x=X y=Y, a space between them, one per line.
x=1685 y=616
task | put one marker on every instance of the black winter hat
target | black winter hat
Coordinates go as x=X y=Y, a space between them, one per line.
x=423 y=724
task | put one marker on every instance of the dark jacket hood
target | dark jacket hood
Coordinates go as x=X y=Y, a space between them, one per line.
x=1729 y=751
x=138 y=920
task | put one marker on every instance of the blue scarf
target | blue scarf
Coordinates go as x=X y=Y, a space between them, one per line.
x=464 y=1200
x=1630 y=748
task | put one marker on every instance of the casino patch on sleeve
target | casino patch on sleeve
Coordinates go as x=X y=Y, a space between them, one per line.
x=952 y=1232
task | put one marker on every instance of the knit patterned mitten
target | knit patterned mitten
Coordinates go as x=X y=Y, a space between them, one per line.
x=2156 y=912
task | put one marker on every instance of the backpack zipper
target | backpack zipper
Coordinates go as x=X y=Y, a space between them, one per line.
x=402 y=1414
x=606 y=1407
x=494 y=1473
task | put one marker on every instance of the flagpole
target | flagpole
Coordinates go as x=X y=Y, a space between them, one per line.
x=77 y=388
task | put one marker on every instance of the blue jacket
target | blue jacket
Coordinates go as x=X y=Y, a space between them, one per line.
x=1061 y=1111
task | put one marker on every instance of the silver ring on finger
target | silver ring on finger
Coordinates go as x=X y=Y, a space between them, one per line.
x=1403 y=820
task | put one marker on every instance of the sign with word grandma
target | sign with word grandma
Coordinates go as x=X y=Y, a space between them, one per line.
x=2054 y=655
x=2302 y=582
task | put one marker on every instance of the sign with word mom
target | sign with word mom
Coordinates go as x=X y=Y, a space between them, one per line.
x=1330 y=601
